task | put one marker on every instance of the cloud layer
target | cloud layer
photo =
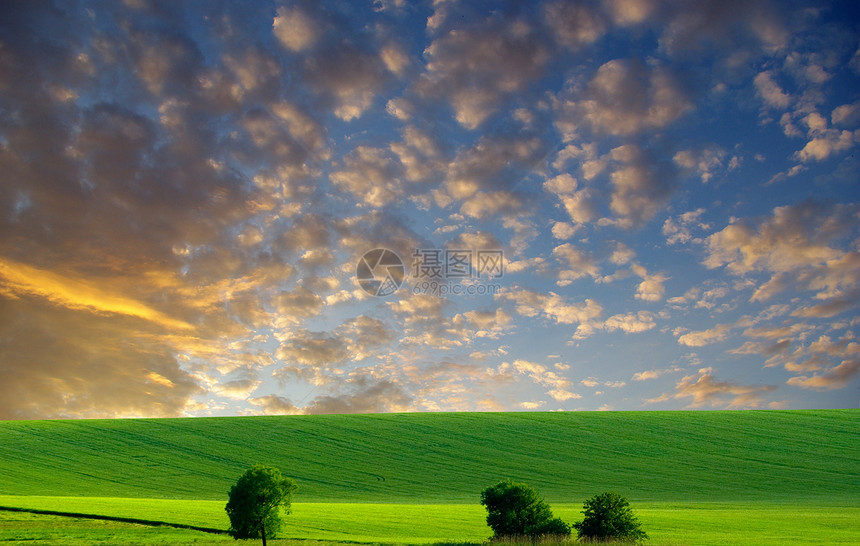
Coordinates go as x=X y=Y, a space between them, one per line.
x=666 y=194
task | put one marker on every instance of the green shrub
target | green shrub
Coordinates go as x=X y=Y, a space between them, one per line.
x=515 y=509
x=609 y=516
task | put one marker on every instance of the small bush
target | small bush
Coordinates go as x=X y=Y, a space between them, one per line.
x=516 y=510
x=608 y=516
x=555 y=527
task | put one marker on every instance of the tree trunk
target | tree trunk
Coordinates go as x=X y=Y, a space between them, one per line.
x=263 y=532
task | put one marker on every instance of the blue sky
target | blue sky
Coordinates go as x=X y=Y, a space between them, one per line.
x=188 y=189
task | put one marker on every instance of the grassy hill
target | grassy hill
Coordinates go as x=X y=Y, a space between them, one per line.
x=771 y=456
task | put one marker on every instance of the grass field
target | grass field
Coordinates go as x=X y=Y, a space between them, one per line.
x=702 y=524
x=21 y=528
x=704 y=478
x=446 y=458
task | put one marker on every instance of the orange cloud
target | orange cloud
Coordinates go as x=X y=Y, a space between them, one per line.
x=705 y=389
x=836 y=378
x=160 y=379
x=73 y=293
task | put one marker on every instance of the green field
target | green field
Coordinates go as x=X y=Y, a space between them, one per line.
x=668 y=524
x=761 y=477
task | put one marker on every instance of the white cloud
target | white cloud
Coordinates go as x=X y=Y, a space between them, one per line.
x=705 y=161
x=486 y=204
x=847 y=115
x=370 y=175
x=836 y=362
x=294 y=29
x=706 y=390
x=299 y=303
x=680 y=230
x=272 y=404
x=561 y=184
x=828 y=143
x=314 y=349
x=252 y=68
x=734 y=30
x=304 y=128
x=488 y=324
x=631 y=323
x=238 y=384
x=489 y=165
x=574 y=25
x=631 y=12
x=580 y=206
x=559 y=387
x=836 y=378
x=626 y=97
x=463 y=67
x=701 y=338
x=796 y=243
x=400 y=108
x=563 y=230
x=419 y=154
x=622 y=254
x=364 y=394
x=640 y=185
x=355 y=339
x=651 y=288
x=349 y=77
x=395 y=59
x=532 y=304
x=562 y=395
x=708 y=298
x=828 y=309
x=648 y=374
x=576 y=264
x=770 y=91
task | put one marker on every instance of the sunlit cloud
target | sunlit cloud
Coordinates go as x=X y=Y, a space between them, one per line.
x=76 y=293
x=559 y=386
x=706 y=390
x=294 y=29
x=460 y=67
x=837 y=378
x=626 y=97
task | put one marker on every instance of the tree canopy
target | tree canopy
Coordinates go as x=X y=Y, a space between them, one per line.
x=254 y=503
x=515 y=509
x=608 y=515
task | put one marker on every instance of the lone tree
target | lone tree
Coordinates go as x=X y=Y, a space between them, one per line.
x=609 y=516
x=254 y=502
x=515 y=509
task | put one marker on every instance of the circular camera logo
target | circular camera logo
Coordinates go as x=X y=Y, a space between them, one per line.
x=380 y=272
